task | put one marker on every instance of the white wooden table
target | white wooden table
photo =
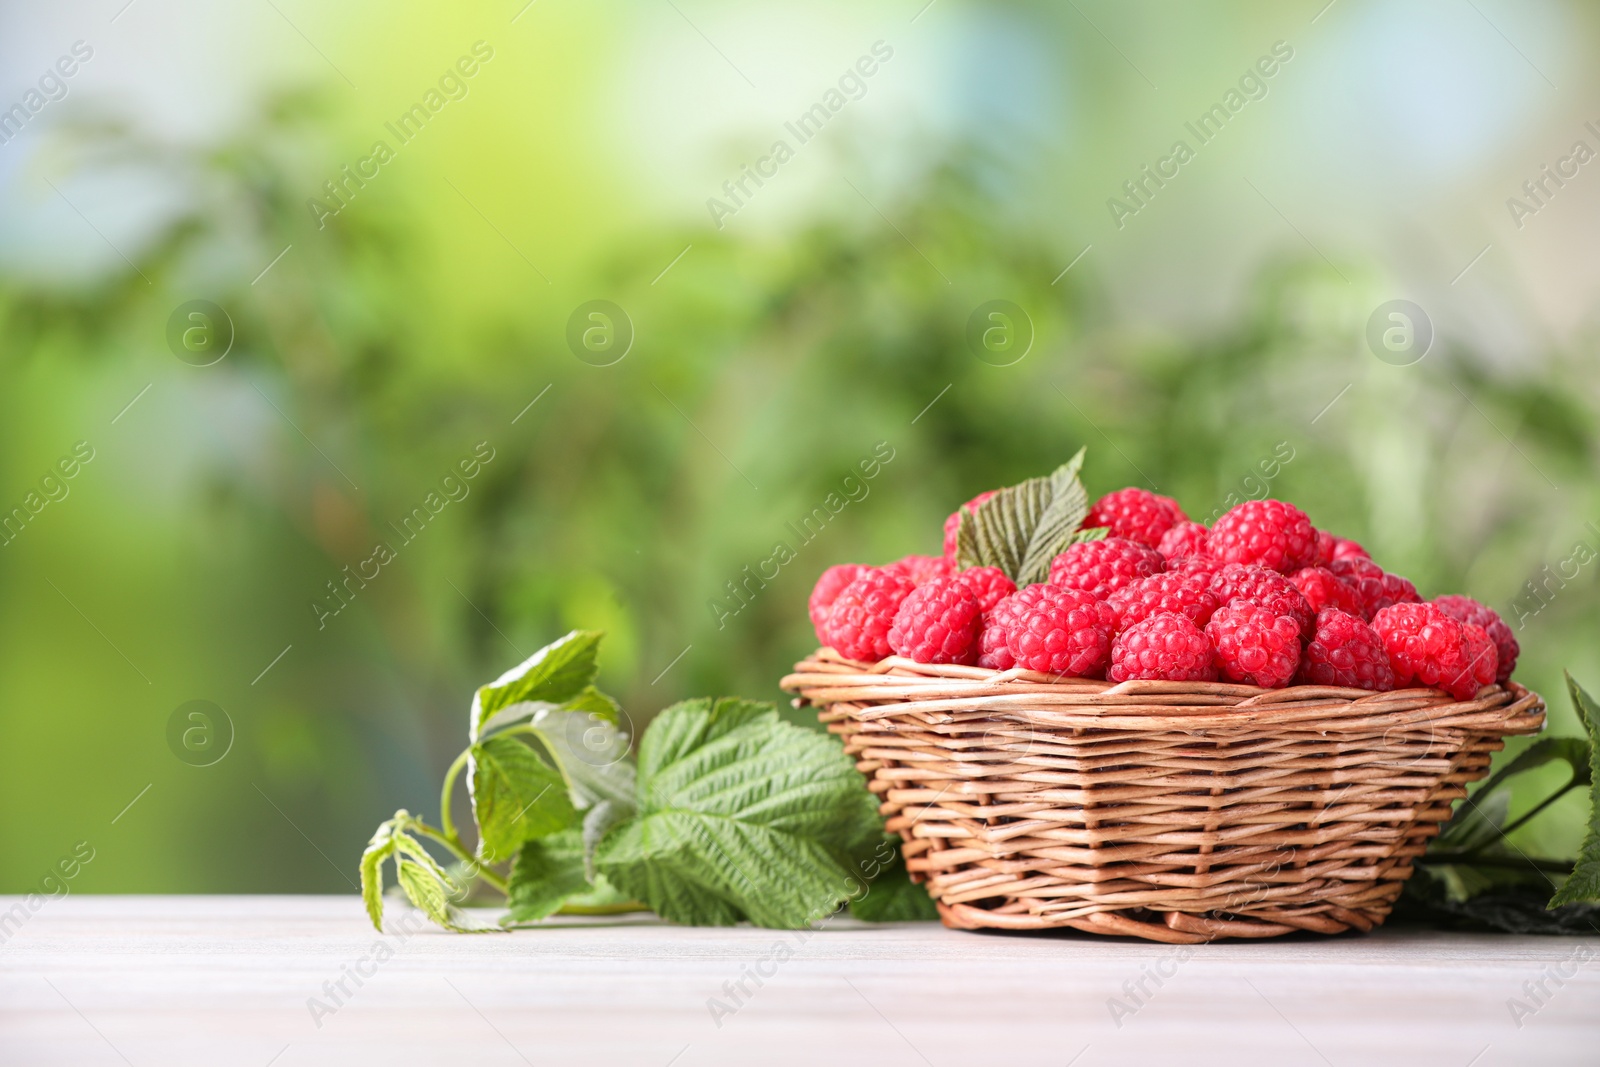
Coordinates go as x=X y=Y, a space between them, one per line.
x=170 y=981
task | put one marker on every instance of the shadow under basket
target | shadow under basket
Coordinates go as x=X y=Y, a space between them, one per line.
x=1175 y=811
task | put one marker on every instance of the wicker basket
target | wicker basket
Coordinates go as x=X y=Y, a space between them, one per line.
x=1174 y=811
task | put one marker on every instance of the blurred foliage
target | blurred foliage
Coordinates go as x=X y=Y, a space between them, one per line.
x=625 y=497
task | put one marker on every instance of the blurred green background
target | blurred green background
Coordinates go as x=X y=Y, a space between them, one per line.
x=1221 y=324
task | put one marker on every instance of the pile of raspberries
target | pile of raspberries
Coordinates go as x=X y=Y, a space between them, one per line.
x=1261 y=598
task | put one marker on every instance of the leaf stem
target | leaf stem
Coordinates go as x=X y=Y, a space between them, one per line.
x=460 y=852
x=622 y=908
x=444 y=797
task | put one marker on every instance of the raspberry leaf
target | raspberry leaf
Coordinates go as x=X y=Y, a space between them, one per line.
x=380 y=848
x=1478 y=823
x=546 y=873
x=590 y=751
x=1584 y=882
x=891 y=896
x=741 y=816
x=1022 y=528
x=559 y=672
x=516 y=796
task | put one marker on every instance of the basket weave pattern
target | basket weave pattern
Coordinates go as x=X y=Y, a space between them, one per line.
x=1175 y=811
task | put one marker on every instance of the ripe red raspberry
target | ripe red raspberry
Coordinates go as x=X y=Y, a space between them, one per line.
x=989 y=584
x=1267 y=589
x=1322 y=554
x=1166 y=646
x=1136 y=514
x=1254 y=645
x=921 y=569
x=1103 y=567
x=1344 y=548
x=827 y=589
x=1428 y=647
x=1199 y=566
x=1268 y=533
x=1376 y=588
x=1185 y=539
x=1322 y=588
x=1480 y=661
x=1465 y=609
x=938 y=622
x=999 y=621
x=952 y=525
x=1345 y=652
x=1050 y=629
x=858 y=623
x=1188 y=595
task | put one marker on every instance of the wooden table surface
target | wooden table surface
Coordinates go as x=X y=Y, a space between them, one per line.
x=253 y=981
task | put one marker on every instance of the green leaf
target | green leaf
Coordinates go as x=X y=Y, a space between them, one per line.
x=516 y=796
x=741 y=815
x=556 y=673
x=593 y=702
x=597 y=822
x=590 y=750
x=1022 y=528
x=380 y=848
x=429 y=888
x=1516 y=907
x=544 y=875
x=1477 y=821
x=1584 y=882
x=1582 y=703
x=891 y=896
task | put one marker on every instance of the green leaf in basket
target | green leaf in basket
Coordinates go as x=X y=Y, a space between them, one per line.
x=1022 y=528
x=740 y=816
x=516 y=796
x=557 y=673
x=1584 y=882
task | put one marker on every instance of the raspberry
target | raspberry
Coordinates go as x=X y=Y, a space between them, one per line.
x=998 y=621
x=1136 y=514
x=1049 y=629
x=858 y=623
x=1268 y=533
x=921 y=569
x=1267 y=589
x=1465 y=609
x=1322 y=588
x=1167 y=646
x=1376 y=588
x=1188 y=595
x=827 y=589
x=1185 y=539
x=1345 y=652
x=1344 y=548
x=989 y=584
x=952 y=525
x=1254 y=645
x=1200 y=566
x=1427 y=646
x=1480 y=662
x=938 y=622
x=1103 y=567
x=1322 y=555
